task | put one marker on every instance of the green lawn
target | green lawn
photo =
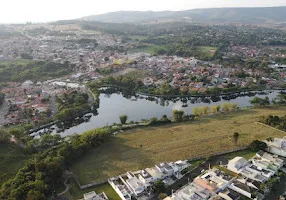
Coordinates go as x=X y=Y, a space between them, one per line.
x=228 y=172
x=149 y=48
x=247 y=154
x=145 y=147
x=76 y=193
x=207 y=51
x=12 y=159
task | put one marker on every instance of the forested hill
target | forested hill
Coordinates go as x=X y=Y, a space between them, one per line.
x=215 y=15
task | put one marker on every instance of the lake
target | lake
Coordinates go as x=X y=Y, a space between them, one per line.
x=138 y=108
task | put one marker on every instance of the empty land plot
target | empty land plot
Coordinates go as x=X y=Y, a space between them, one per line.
x=141 y=148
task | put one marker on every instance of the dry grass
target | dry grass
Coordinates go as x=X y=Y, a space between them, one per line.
x=137 y=149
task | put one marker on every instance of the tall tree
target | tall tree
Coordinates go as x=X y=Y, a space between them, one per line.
x=235 y=137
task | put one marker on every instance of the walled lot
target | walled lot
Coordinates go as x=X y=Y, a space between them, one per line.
x=141 y=148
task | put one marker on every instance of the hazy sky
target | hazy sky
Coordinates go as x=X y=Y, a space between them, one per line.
x=15 y=11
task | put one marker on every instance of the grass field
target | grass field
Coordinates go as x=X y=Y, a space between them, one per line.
x=76 y=193
x=207 y=51
x=12 y=159
x=141 y=148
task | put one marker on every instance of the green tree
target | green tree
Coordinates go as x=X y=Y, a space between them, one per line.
x=235 y=137
x=35 y=195
x=260 y=101
x=159 y=186
x=4 y=136
x=178 y=115
x=123 y=119
x=257 y=145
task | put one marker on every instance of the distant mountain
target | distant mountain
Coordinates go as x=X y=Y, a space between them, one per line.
x=215 y=15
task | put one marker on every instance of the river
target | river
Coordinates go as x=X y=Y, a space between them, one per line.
x=139 y=107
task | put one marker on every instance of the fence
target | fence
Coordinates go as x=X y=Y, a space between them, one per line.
x=191 y=159
x=217 y=154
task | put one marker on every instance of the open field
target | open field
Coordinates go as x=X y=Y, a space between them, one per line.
x=76 y=193
x=141 y=148
x=12 y=159
x=207 y=51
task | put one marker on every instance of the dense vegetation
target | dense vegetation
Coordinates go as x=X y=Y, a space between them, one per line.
x=260 y=101
x=275 y=121
x=71 y=105
x=2 y=97
x=12 y=159
x=40 y=174
x=135 y=84
x=32 y=70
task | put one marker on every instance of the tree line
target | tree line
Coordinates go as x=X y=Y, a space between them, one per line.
x=274 y=121
x=71 y=105
x=51 y=155
x=204 y=110
x=23 y=70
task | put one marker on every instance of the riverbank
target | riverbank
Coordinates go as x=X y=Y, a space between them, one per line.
x=236 y=92
x=144 y=147
x=139 y=107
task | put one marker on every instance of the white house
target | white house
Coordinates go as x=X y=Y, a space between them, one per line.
x=165 y=168
x=136 y=186
x=236 y=164
x=273 y=159
x=93 y=196
x=27 y=84
x=277 y=146
x=248 y=169
x=120 y=188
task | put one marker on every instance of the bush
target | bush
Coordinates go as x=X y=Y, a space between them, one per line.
x=123 y=118
x=162 y=196
x=257 y=145
x=178 y=115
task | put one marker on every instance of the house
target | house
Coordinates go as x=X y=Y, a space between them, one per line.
x=27 y=84
x=274 y=159
x=236 y=164
x=243 y=189
x=229 y=194
x=248 y=169
x=213 y=180
x=136 y=186
x=165 y=168
x=193 y=191
x=117 y=183
x=93 y=196
x=277 y=146
x=146 y=178
x=265 y=164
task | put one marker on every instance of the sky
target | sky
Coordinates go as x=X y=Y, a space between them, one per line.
x=21 y=11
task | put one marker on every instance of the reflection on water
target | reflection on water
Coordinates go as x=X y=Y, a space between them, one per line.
x=142 y=107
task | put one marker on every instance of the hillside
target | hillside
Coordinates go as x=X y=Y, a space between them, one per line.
x=213 y=15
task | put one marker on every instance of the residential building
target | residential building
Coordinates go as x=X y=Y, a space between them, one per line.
x=136 y=186
x=93 y=196
x=277 y=146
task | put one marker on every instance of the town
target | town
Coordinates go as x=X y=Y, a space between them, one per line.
x=91 y=57
x=147 y=105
